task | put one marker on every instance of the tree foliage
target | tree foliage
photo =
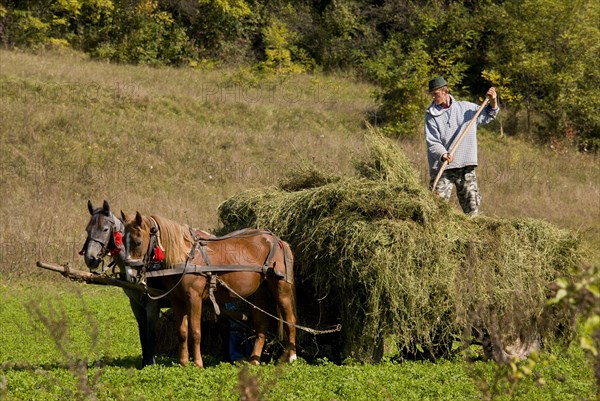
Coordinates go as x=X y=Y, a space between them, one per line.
x=541 y=54
x=547 y=51
x=142 y=34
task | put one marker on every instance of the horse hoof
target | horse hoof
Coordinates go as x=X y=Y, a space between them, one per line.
x=293 y=357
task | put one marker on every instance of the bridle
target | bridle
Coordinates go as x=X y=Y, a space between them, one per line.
x=114 y=245
x=154 y=254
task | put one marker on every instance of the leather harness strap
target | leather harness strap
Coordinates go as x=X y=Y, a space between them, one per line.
x=201 y=269
x=208 y=269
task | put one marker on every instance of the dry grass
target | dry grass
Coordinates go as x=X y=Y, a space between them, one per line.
x=166 y=141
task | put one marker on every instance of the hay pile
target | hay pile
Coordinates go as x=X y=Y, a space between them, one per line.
x=393 y=261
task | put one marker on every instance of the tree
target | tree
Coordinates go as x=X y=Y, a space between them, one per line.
x=548 y=51
x=219 y=29
x=422 y=42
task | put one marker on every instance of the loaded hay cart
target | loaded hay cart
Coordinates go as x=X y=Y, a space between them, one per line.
x=399 y=269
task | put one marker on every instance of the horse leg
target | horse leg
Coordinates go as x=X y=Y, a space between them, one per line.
x=195 y=315
x=261 y=325
x=139 y=311
x=181 y=322
x=152 y=319
x=284 y=293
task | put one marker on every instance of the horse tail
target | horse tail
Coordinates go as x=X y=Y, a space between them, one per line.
x=288 y=258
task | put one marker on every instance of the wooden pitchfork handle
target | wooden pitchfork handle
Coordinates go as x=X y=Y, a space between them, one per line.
x=460 y=138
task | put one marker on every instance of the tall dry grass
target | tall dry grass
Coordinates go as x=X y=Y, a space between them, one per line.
x=177 y=142
x=165 y=141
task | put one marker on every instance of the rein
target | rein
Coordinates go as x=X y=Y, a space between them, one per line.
x=208 y=269
x=335 y=329
x=149 y=261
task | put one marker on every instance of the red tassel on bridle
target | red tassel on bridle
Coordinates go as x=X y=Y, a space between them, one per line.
x=118 y=237
x=159 y=255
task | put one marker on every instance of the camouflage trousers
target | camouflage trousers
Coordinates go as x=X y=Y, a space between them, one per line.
x=466 y=186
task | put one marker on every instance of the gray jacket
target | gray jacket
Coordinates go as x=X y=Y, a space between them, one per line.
x=443 y=127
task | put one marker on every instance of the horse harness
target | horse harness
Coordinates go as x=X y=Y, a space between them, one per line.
x=150 y=266
x=153 y=259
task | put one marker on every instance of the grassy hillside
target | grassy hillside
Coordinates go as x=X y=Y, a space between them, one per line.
x=177 y=142
x=166 y=141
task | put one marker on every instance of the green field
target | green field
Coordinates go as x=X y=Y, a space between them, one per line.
x=99 y=358
x=178 y=142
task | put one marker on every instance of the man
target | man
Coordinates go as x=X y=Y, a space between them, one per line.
x=240 y=346
x=444 y=121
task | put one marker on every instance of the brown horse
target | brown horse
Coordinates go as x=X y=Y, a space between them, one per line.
x=219 y=270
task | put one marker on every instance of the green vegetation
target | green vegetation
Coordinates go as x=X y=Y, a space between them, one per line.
x=178 y=142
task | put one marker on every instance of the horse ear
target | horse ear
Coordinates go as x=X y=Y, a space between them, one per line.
x=90 y=207
x=138 y=219
x=123 y=217
x=106 y=207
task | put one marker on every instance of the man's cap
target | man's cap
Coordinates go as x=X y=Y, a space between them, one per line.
x=436 y=83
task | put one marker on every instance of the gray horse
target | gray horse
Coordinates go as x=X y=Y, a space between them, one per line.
x=104 y=233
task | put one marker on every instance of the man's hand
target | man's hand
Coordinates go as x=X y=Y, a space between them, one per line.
x=447 y=157
x=491 y=93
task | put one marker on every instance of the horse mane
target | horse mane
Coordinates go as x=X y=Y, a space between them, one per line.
x=175 y=239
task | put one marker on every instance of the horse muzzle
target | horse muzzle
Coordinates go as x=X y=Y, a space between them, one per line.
x=92 y=262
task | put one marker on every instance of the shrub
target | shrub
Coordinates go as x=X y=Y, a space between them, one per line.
x=279 y=50
x=144 y=35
